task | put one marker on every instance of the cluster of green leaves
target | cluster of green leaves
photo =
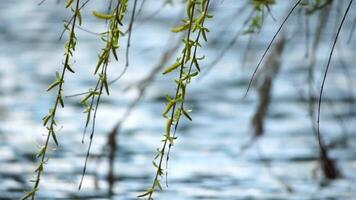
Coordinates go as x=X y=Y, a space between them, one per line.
x=111 y=39
x=49 y=121
x=188 y=67
x=256 y=21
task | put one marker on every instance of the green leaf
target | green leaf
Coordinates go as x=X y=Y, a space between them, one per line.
x=171 y=68
x=102 y=15
x=148 y=191
x=180 y=28
x=52 y=85
x=60 y=99
x=203 y=33
x=54 y=137
x=28 y=195
x=168 y=126
x=158 y=184
x=196 y=64
x=154 y=164
x=45 y=119
x=69 y=3
x=168 y=108
x=39 y=168
x=41 y=151
x=70 y=69
x=98 y=65
x=84 y=100
x=79 y=17
x=106 y=86
x=189 y=76
x=58 y=77
x=114 y=53
x=187 y=114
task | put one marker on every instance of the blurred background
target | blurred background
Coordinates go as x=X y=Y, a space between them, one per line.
x=259 y=147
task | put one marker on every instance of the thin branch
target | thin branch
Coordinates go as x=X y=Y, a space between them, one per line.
x=269 y=45
x=326 y=71
x=70 y=20
x=128 y=44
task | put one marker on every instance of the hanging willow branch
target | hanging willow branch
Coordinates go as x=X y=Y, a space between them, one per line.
x=111 y=39
x=49 y=121
x=194 y=23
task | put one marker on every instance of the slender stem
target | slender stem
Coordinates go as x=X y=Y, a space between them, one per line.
x=190 y=69
x=58 y=99
x=159 y=168
x=326 y=72
x=269 y=46
x=112 y=35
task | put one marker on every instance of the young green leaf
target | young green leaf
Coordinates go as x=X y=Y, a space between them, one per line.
x=54 y=137
x=102 y=15
x=52 y=85
x=168 y=126
x=158 y=184
x=69 y=3
x=28 y=195
x=187 y=114
x=41 y=151
x=168 y=108
x=171 y=68
x=148 y=191
x=180 y=28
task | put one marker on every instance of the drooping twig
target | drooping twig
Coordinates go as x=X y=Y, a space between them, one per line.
x=129 y=37
x=266 y=162
x=111 y=39
x=193 y=22
x=70 y=20
x=142 y=87
x=326 y=72
x=327 y=165
x=49 y=121
x=269 y=45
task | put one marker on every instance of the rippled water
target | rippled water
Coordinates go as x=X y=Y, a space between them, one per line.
x=205 y=162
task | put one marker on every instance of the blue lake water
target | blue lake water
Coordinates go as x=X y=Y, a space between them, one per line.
x=206 y=161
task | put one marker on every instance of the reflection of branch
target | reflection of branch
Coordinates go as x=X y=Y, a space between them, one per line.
x=264 y=84
x=269 y=71
x=266 y=162
x=328 y=165
x=111 y=142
